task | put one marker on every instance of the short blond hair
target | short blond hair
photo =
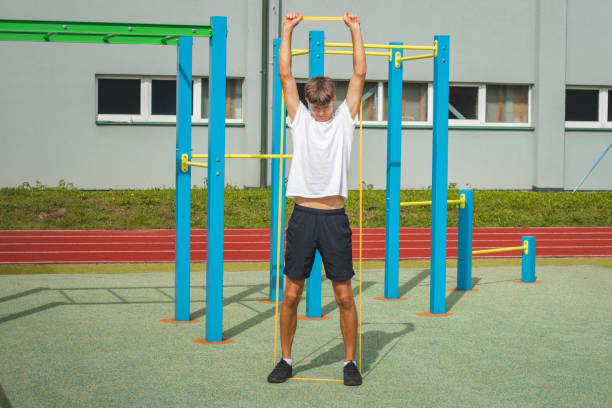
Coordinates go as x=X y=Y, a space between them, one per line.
x=320 y=91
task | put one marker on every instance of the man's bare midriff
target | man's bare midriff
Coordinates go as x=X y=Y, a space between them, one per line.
x=321 y=203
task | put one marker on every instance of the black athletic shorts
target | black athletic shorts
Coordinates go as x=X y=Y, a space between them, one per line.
x=325 y=230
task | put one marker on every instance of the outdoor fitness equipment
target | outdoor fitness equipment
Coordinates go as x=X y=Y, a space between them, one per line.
x=182 y=36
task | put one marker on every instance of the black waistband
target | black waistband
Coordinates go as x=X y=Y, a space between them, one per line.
x=317 y=211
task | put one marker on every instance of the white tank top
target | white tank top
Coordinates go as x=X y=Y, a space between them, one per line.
x=321 y=154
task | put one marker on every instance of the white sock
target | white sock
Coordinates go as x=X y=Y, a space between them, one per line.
x=288 y=360
x=350 y=361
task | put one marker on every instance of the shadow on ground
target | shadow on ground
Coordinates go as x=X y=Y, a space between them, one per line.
x=374 y=341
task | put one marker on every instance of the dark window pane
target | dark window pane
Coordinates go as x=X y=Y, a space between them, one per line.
x=119 y=96
x=163 y=97
x=463 y=102
x=610 y=106
x=582 y=105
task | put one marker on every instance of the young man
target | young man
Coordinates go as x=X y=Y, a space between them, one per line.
x=322 y=142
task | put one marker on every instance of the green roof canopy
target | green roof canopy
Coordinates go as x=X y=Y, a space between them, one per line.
x=93 y=32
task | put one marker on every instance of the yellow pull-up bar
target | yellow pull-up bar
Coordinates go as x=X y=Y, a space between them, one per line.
x=322 y=18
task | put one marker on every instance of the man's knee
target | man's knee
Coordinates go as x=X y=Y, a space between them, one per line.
x=292 y=298
x=345 y=301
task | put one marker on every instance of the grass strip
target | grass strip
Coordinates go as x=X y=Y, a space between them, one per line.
x=65 y=207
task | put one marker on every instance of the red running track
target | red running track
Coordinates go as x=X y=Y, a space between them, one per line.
x=102 y=246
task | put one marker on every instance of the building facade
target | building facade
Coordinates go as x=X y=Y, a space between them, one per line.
x=530 y=97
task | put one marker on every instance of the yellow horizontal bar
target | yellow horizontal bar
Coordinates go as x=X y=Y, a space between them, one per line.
x=382 y=54
x=247 y=156
x=415 y=57
x=299 y=52
x=196 y=164
x=411 y=203
x=490 y=251
x=322 y=19
x=314 y=379
x=386 y=46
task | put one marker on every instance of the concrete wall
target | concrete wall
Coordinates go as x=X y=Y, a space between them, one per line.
x=47 y=116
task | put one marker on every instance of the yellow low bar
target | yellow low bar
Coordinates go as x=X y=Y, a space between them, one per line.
x=247 y=156
x=196 y=164
x=414 y=203
x=299 y=52
x=415 y=57
x=382 y=54
x=523 y=248
x=322 y=19
x=386 y=46
x=461 y=202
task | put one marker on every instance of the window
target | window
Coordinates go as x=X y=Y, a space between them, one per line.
x=489 y=104
x=233 y=99
x=588 y=107
x=153 y=100
x=463 y=102
x=507 y=104
x=581 y=105
x=119 y=96
x=414 y=102
x=469 y=104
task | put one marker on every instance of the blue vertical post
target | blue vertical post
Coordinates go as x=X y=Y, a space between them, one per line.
x=464 y=246
x=278 y=116
x=437 y=299
x=316 y=67
x=216 y=179
x=394 y=171
x=183 y=180
x=528 y=260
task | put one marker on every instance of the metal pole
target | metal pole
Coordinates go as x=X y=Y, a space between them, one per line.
x=183 y=180
x=437 y=303
x=464 y=246
x=216 y=180
x=394 y=169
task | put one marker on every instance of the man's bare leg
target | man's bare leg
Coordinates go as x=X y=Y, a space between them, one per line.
x=288 y=314
x=348 y=317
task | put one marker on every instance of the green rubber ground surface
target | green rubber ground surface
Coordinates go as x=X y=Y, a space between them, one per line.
x=95 y=340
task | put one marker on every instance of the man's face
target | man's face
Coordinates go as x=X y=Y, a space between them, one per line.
x=322 y=113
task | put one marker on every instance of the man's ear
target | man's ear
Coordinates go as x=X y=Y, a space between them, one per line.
x=334 y=99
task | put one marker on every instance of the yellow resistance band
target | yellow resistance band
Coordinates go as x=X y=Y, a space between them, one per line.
x=280 y=191
x=279 y=228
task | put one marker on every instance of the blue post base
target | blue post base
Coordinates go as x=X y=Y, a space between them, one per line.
x=528 y=260
x=464 y=247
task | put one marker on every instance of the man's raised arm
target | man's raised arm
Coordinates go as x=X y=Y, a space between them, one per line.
x=355 y=87
x=290 y=91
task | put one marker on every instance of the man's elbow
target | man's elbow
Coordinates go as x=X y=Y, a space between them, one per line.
x=360 y=73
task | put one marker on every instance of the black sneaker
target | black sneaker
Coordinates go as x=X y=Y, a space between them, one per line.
x=281 y=372
x=351 y=374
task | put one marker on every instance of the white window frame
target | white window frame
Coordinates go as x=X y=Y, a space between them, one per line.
x=480 y=113
x=507 y=124
x=602 y=120
x=145 y=115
